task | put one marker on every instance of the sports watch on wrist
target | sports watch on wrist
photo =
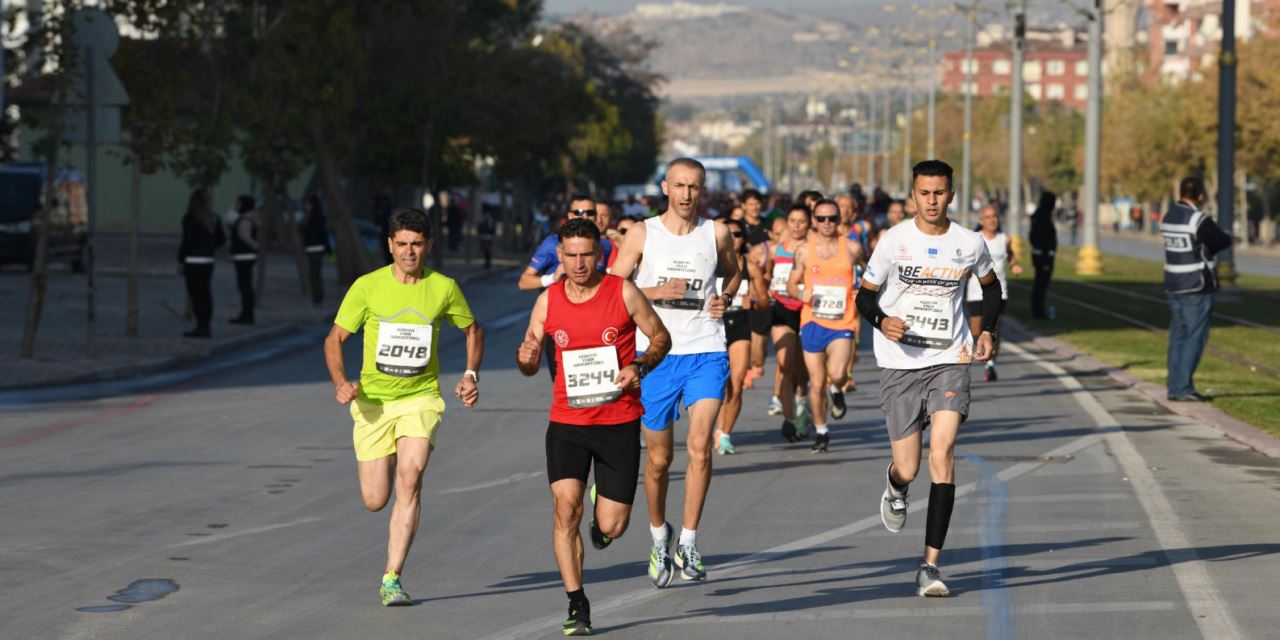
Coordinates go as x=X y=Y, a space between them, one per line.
x=642 y=369
x=475 y=377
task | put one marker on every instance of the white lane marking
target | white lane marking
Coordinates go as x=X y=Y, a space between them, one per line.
x=1026 y=528
x=1045 y=498
x=540 y=626
x=1208 y=608
x=812 y=615
x=519 y=477
x=244 y=532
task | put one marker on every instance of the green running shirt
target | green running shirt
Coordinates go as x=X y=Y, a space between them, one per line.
x=401 y=325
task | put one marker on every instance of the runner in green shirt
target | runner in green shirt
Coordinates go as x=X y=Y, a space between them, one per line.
x=396 y=404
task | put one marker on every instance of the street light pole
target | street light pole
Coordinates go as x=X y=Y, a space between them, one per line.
x=966 y=165
x=906 y=123
x=933 y=78
x=1013 y=217
x=1089 y=260
x=871 y=141
x=1226 y=139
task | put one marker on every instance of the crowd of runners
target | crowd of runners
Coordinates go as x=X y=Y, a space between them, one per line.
x=647 y=314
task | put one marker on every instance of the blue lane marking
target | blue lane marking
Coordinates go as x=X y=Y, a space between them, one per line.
x=995 y=598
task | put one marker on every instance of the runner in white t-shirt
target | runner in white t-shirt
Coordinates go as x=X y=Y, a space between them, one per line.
x=1000 y=245
x=923 y=347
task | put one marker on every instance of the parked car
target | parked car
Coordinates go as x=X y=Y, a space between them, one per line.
x=21 y=186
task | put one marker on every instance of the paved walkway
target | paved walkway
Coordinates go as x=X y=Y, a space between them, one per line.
x=60 y=355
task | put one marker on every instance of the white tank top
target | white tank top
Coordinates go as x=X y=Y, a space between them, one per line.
x=998 y=247
x=692 y=257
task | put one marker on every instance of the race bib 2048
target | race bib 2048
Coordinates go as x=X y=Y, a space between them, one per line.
x=403 y=349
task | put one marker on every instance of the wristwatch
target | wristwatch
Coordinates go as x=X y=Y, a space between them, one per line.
x=475 y=377
x=642 y=369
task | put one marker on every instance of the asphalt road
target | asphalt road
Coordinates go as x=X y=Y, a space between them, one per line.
x=225 y=505
x=1245 y=263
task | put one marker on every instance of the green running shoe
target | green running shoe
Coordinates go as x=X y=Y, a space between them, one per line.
x=598 y=539
x=660 y=570
x=690 y=563
x=392 y=593
x=579 y=621
x=725 y=446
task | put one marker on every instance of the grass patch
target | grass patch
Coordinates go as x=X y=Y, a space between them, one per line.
x=1249 y=395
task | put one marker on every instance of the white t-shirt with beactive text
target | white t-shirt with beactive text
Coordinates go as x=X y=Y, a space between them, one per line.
x=921 y=280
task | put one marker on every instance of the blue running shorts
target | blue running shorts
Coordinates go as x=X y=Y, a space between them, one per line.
x=679 y=379
x=814 y=337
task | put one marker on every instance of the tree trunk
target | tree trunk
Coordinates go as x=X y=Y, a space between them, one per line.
x=39 y=275
x=266 y=233
x=353 y=260
x=135 y=220
x=295 y=245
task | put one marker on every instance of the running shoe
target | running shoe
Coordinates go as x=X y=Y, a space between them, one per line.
x=929 y=582
x=893 y=509
x=579 y=621
x=775 y=406
x=724 y=445
x=820 y=443
x=690 y=563
x=838 y=407
x=660 y=571
x=802 y=415
x=392 y=593
x=989 y=373
x=598 y=539
x=789 y=431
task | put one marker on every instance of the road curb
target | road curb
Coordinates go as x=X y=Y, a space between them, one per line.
x=1238 y=430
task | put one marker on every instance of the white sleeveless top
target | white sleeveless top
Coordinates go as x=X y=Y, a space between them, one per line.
x=998 y=247
x=693 y=258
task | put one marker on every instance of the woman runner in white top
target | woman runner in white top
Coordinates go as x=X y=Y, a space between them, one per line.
x=1000 y=245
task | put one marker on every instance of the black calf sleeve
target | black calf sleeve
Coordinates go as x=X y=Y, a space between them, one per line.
x=941 y=498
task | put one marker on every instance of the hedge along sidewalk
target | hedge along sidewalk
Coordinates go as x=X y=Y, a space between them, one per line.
x=1121 y=319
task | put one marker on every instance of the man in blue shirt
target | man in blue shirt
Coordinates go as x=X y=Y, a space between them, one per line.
x=544 y=267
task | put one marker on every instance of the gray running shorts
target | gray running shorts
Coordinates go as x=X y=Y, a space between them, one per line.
x=910 y=396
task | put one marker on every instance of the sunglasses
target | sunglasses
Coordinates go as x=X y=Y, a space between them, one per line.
x=826 y=218
x=736 y=234
x=623 y=231
x=582 y=212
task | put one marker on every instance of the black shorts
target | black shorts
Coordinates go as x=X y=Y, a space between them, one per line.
x=784 y=317
x=974 y=308
x=760 y=320
x=615 y=449
x=736 y=327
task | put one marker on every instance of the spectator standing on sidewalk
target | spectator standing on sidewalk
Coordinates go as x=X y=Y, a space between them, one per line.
x=1044 y=246
x=244 y=253
x=1191 y=239
x=201 y=235
x=315 y=241
x=487 y=230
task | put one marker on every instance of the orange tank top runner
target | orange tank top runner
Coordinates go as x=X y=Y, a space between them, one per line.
x=831 y=281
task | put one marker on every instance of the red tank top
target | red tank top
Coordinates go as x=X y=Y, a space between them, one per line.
x=594 y=340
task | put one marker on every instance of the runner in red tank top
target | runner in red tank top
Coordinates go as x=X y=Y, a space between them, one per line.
x=595 y=408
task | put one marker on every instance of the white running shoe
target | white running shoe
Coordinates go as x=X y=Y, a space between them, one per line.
x=929 y=582
x=893 y=509
x=775 y=406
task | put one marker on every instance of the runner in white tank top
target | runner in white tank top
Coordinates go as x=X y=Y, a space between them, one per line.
x=679 y=256
x=1000 y=246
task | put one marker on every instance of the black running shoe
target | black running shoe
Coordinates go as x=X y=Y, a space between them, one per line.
x=820 y=443
x=789 y=431
x=579 y=621
x=838 y=407
x=598 y=539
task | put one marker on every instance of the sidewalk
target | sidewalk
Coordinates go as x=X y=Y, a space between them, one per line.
x=60 y=354
x=1145 y=236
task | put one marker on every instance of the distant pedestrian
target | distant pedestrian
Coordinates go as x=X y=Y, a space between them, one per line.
x=382 y=210
x=1191 y=239
x=315 y=241
x=487 y=230
x=1044 y=247
x=244 y=254
x=201 y=235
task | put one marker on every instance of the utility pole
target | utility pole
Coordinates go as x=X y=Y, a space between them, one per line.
x=871 y=140
x=886 y=140
x=1089 y=260
x=933 y=78
x=1226 y=139
x=906 y=123
x=767 y=143
x=966 y=163
x=1013 y=217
